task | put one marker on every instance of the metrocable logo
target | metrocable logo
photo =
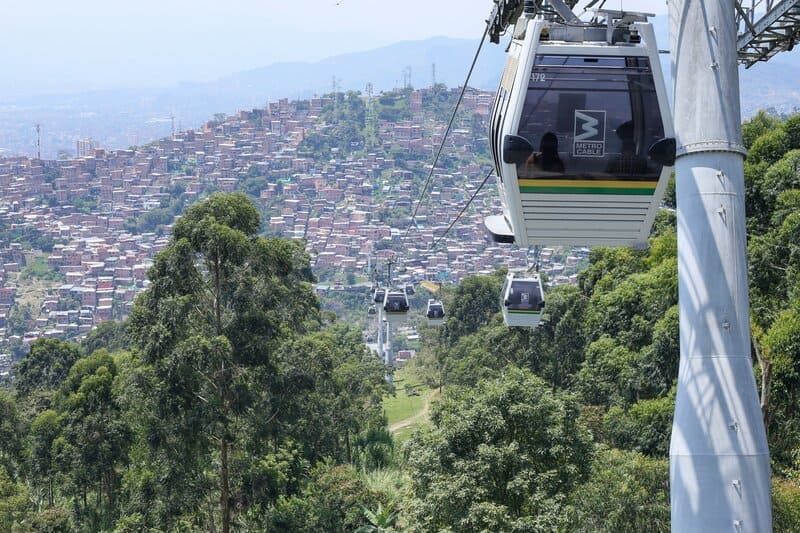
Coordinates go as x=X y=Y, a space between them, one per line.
x=590 y=133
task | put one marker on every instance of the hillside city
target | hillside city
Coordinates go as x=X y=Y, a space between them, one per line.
x=300 y=309
x=96 y=221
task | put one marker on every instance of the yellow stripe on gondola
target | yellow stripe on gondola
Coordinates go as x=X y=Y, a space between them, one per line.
x=523 y=312
x=587 y=187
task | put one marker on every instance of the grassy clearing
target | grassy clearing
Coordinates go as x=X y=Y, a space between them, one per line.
x=406 y=413
x=32 y=290
x=402 y=406
x=403 y=434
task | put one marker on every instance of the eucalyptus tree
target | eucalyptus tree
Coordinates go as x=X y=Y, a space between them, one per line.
x=11 y=432
x=221 y=300
x=94 y=441
x=45 y=367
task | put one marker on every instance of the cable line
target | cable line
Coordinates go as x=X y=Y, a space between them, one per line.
x=446 y=131
x=453 y=223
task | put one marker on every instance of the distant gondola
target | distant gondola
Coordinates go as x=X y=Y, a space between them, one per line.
x=523 y=300
x=581 y=133
x=395 y=306
x=379 y=295
x=435 y=313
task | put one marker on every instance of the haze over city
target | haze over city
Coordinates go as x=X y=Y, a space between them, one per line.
x=58 y=47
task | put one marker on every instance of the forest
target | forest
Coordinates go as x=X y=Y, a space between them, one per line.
x=229 y=401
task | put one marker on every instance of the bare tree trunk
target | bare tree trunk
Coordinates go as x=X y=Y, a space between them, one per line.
x=218 y=297
x=225 y=488
x=225 y=496
x=110 y=487
x=347 y=445
x=765 y=365
x=211 y=523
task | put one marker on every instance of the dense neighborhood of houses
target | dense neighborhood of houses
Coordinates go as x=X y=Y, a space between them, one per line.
x=84 y=207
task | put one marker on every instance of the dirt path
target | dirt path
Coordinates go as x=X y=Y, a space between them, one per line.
x=415 y=419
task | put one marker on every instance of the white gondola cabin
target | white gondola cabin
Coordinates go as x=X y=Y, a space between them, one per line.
x=523 y=300
x=435 y=313
x=395 y=306
x=372 y=310
x=581 y=134
x=379 y=295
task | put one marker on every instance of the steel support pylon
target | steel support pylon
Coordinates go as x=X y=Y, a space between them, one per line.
x=389 y=356
x=719 y=459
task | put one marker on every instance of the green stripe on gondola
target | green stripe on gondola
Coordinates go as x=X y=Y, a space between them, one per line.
x=636 y=188
x=522 y=312
x=589 y=190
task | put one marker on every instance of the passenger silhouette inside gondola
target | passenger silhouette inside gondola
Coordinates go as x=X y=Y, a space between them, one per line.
x=546 y=159
x=628 y=161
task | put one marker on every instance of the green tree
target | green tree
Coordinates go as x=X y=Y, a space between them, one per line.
x=500 y=457
x=11 y=432
x=783 y=422
x=756 y=126
x=220 y=302
x=785 y=506
x=46 y=366
x=610 y=375
x=331 y=386
x=19 y=318
x=14 y=503
x=769 y=147
x=474 y=303
x=111 y=335
x=625 y=492
x=646 y=427
x=331 y=501
x=45 y=429
x=95 y=439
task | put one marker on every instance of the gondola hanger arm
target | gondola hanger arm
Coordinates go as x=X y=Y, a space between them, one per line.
x=507 y=12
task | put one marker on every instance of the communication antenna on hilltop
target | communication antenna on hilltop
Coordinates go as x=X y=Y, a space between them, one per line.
x=371 y=118
x=433 y=75
x=335 y=87
x=406 y=77
x=172 y=120
x=38 y=142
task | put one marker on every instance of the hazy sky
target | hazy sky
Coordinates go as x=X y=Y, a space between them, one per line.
x=57 y=46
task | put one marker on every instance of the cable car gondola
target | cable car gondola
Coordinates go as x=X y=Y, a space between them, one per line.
x=395 y=306
x=410 y=289
x=379 y=295
x=581 y=133
x=523 y=300
x=435 y=313
x=372 y=310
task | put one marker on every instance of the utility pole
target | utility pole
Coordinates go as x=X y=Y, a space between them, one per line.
x=38 y=142
x=719 y=459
